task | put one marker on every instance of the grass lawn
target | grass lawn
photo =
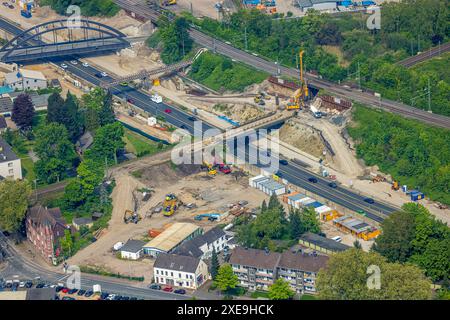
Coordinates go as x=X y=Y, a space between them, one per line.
x=308 y=297
x=140 y=145
x=28 y=168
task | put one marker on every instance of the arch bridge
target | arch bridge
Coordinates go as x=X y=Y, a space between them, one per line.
x=62 y=38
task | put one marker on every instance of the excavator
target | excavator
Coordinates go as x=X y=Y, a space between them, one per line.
x=130 y=216
x=301 y=93
x=211 y=169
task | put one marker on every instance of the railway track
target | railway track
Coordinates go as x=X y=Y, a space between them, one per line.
x=432 y=52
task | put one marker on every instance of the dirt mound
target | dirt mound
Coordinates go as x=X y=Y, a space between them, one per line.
x=302 y=137
x=166 y=174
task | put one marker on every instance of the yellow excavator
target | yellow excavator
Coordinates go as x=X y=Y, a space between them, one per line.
x=211 y=169
x=301 y=93
x=171 y=203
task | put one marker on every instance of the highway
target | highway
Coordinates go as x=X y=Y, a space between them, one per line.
x=257 y=62
x=295 y=174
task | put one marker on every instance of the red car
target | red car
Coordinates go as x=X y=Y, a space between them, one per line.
x=168 y=289
x=168 y=111
x=65 y=290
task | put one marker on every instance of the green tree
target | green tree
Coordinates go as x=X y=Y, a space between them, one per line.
x=13 y=203
x=225 y=278
x=55 y=108
x=72 y=117
x=280 y=290
x=106 y=113
x=295 y=224
x=309 y=221
x=55 y=151
x=214 y=264
x=67 y=243
x=176 y=40
x=357 y=244
x=346 y=277
x=108 y=140
x=23 y=111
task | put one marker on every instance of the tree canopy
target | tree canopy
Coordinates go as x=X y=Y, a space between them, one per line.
x=414 y=235
x=23 y=111
x=225 y=278
x=13 y=203
x=353 y=275
x=280 y=290
x=88 y=7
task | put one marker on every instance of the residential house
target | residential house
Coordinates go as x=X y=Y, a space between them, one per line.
x=82 y=222
x=10 y=165
x=132 y=250
x=26 y=80
x=6 y=104
x=202 y=246
x=180 y=271
x=3 y=124
x=45 y=227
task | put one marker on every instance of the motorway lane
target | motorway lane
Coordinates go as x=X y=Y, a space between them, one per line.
x=178 y=117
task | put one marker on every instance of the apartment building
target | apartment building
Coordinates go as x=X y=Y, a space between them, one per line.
x=258 y=269
x=201 y=247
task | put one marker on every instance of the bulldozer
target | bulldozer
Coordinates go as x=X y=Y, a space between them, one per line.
x=171 y=204
x=297 y=101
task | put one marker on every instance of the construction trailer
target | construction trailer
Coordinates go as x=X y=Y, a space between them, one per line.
x=356 y=227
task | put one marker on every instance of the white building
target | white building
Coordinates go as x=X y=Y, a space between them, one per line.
x=26 y=80
x=132 y=250
x=202 y=246
x=180 y=271
x=10 y=166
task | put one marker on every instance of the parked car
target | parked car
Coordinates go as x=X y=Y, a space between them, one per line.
x=180 y=291
x=28 y=284
x=81 y=292
x=72 y=291
x=58 y=289
x=64 y=290
x=68 y=298
x=155 y=287
x=104 y=295
x=22 y=284
x=40 y=285
x=125 y=298
x=168 y=111
x=283 y=162
x=168 y=289
x=332 y=185
x=89 y=293
x=133 y=298
x=369 y=200
x=313 y=180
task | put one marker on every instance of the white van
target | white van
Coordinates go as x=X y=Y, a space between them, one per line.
x=156 y=98
x=337 y=239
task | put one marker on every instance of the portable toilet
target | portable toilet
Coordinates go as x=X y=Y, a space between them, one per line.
x=404 y=188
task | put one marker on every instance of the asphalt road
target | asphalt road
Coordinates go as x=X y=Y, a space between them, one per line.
x=25 y=269
x=145 y=12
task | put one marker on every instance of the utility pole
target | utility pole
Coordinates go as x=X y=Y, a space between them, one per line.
x=359 y=77
x=246 y=44
x=429 y=97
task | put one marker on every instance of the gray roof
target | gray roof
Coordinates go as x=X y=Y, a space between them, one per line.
x=82 y=221
x=3 y=124
x=324 y=242
x=133 y=246
x=191 y=247
x=39 y=100
x=6 y=153
x=176 y=262
x=6 y=104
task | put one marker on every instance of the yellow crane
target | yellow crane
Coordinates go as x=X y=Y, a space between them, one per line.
x=301 y=93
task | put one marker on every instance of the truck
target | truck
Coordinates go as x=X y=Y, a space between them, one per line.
x=316 y=113
x=156 y=98
x=25 y=13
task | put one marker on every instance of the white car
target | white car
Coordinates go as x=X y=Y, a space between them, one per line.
x=21 y=284
x=85 y=64
x=74 y=62
x=104 y=74
x=63 y=65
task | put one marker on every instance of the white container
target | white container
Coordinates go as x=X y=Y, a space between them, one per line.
x=118 y=246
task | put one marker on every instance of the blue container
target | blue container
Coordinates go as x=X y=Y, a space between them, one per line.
x=314 y=204
x=251 y=2
x=368 y=3
x=415 y=196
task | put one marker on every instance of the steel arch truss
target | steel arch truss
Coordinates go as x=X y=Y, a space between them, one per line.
x=80 y=31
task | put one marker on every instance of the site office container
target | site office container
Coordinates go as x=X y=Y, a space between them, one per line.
x=315 y=204
x=285 y=198
x=329 y=215
x=370 y=234
x=415 y=196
